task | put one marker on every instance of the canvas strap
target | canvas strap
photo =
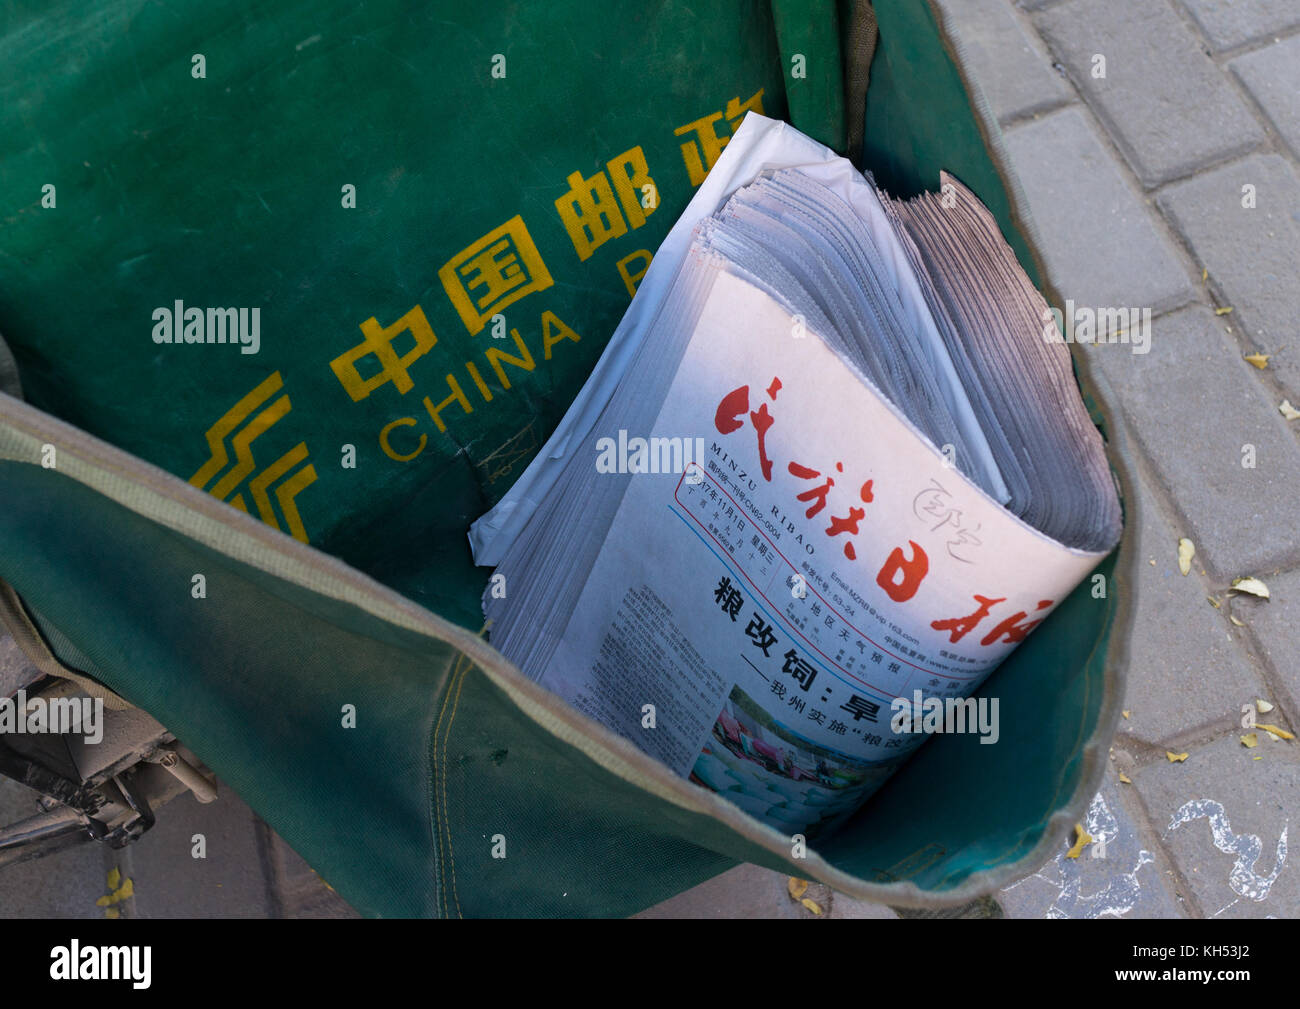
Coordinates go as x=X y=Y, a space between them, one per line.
x=859 y=48
x=9 y=372
x=14 y=616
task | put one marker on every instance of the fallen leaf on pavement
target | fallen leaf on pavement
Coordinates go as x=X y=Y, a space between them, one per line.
x=1081 y=840
x=1252 y=585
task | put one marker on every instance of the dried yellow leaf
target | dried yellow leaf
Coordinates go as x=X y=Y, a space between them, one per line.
x=1257 y=757
x=1176 y=758
x=1250 y=740
x=1081 y=840
x=1125 y=779
x=1287 y=410
x=1222 y=311
x=1127 y=714
x=1273 y=730
x=1260 y=361
x=1263 y=706
x=1236 y=622
x=797 y=887
x=1213 y=602
x=811 y=905
x=116 y=892
x=1204 y=273
x=1252 y=585
x=1186 y=551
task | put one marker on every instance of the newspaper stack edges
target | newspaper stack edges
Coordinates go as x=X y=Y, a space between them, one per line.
x=832 y=466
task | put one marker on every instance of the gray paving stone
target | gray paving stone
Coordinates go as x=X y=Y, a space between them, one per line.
x=65 y=885
x=1163 y=99
x=231 y=882
x=1272 y=76
x=749 y=891
x=842 y=906
x=1276 y=625
x=1228 y=23
x=298 y=891
x=1224 y=816
x=249 y=871
x=1011 y=67
x=1192 y=403
x=1083 y=205
x=1187 y=667
x=1117 y=876
x=1251 y=255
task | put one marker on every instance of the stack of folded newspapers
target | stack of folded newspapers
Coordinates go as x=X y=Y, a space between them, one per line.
x=832 y=467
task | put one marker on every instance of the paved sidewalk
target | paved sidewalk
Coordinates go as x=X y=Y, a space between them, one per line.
x=245 y=870
x=1158 y=142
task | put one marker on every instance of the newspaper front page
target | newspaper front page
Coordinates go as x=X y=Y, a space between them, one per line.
x=791 y=563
